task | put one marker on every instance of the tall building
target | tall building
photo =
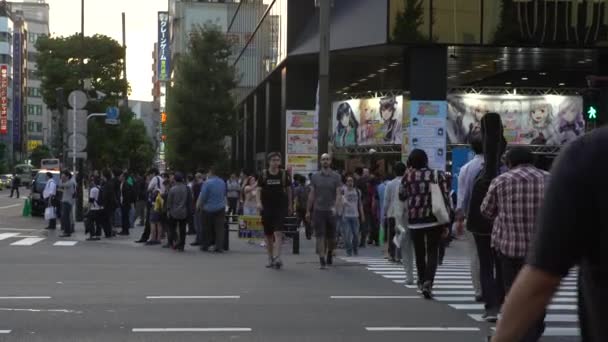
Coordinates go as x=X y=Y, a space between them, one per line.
x=39 y=117
x=19 y=86
x=6 y=77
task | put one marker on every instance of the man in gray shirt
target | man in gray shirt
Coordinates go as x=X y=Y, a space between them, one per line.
x=325 y=199
x=179 y=209
x=68 y=188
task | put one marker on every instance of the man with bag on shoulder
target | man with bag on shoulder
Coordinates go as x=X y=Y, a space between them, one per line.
x=426 y=193
x=49 y=193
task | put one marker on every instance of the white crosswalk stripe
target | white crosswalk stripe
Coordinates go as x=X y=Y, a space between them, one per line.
x=453 y=287
x=20 y=240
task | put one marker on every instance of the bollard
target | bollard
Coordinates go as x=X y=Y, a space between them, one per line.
x=27 y=208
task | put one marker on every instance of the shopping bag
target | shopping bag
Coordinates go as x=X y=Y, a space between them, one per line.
x=440 y=209
x=49 y=213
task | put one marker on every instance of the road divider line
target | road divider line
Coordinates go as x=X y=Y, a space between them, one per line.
x=193 y=297
x=423 y=329
x=5 y=331
x=11 y=206
x=375 y=297
x=166 y=330
x=25 y=297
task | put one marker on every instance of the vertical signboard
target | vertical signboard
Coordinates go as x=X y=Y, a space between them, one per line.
x=164 y=53
x=3 y=99
x=302 y=141
x=428 y=131
x=17 y=88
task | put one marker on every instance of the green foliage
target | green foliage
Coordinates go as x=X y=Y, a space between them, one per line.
x=59 y=65
x=125 y=145
x=200 y=106
x=408 y=23
x=39 y=153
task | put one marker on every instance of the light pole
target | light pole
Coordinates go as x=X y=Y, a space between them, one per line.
x=324 y=60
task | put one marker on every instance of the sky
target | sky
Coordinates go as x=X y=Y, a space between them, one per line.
x=104 y=17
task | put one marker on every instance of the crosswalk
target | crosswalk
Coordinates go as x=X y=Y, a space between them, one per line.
x=22 y=240
x=453 y=287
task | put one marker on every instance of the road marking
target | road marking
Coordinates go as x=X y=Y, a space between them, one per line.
x=27 y=242
x=550 y=318
x=463 y=287
x=150 y=330
x=396 y=276
x=558 y=331
x=5 y=236
x=374 y=297
x=425 y=329
x=65 y=243
x=193 y=297
x=18 y=229
x=5 y=331
x=42 y=310
x=440 y=281
x=27 y=297
x=11 y=206
x=448 y=292
x=481 y=307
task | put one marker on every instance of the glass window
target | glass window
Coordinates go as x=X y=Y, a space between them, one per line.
x=30 y=126
x=34 y=92
x=33 y=75
x=39 y=127
x=31 y=56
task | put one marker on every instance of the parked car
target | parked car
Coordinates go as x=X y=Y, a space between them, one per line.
x=38 y=184
x=5 y=181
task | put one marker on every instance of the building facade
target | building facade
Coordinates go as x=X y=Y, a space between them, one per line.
x=6 y=82
x=386 y=48
x=40 y=120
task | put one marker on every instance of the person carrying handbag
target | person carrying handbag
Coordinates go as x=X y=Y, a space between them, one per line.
x=429 y=213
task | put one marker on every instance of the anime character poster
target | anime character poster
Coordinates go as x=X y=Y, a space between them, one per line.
x=368 y=122
x=533 y=120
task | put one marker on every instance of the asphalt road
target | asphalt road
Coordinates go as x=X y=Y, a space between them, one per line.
x=115 y=290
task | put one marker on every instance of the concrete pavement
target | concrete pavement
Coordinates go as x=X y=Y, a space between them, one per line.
x=116 y=290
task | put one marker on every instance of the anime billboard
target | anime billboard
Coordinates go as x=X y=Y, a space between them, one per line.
x=534 y=120
x=367 y=122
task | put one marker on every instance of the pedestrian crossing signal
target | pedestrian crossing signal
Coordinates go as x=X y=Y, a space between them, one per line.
x=592 y=113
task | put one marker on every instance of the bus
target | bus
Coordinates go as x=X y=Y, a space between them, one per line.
x=24 y=172
x=50 y=164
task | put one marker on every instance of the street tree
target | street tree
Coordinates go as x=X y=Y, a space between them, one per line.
x=409 y=22
x=63 y=62
x=39 y=153
x=200 y=105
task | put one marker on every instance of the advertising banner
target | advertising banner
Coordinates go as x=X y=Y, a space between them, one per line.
x=17 y=89
x=405 y=127
x=3 y=99
x=367 y=122
x=427 y=131
x=302 y=141
x=164 y=52
x=534 y=120
x=250 y=227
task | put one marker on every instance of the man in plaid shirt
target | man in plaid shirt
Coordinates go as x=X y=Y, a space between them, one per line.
x=514 y=201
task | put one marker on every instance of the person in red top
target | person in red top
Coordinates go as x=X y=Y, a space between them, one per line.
x=513 y=201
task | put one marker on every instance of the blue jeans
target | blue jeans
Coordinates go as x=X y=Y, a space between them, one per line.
x=350 y=233
x=66 y=217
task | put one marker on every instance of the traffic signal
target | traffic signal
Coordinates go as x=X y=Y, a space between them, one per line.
x=594 y=109
x=591 y=113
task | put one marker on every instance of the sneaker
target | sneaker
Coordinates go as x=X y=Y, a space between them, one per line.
x=490 y=316
x=330 y=259
x=278 y=263
x=270 y=263
x=355 y=252
x=427 y=291
x=323 y=263
x=478 y=298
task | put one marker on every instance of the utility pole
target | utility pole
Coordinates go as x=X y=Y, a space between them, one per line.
x=79 y=163
x=124 y=64
x=324 y=60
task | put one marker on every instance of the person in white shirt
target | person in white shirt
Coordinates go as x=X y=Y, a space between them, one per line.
x=49 y=193
x=466 y=180
x=95 y=210
x=397 y=216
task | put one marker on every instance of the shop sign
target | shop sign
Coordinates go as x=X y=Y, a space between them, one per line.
x=4 y=99
x=302 y=141
x=32 y=144
x=17 y=89
x=164 y=53
x=368 y=122
x=534 y=120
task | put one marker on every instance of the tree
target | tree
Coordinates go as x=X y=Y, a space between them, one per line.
x=408 y=23
x=63 y=62
x=200 y=106
x=39 y=153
